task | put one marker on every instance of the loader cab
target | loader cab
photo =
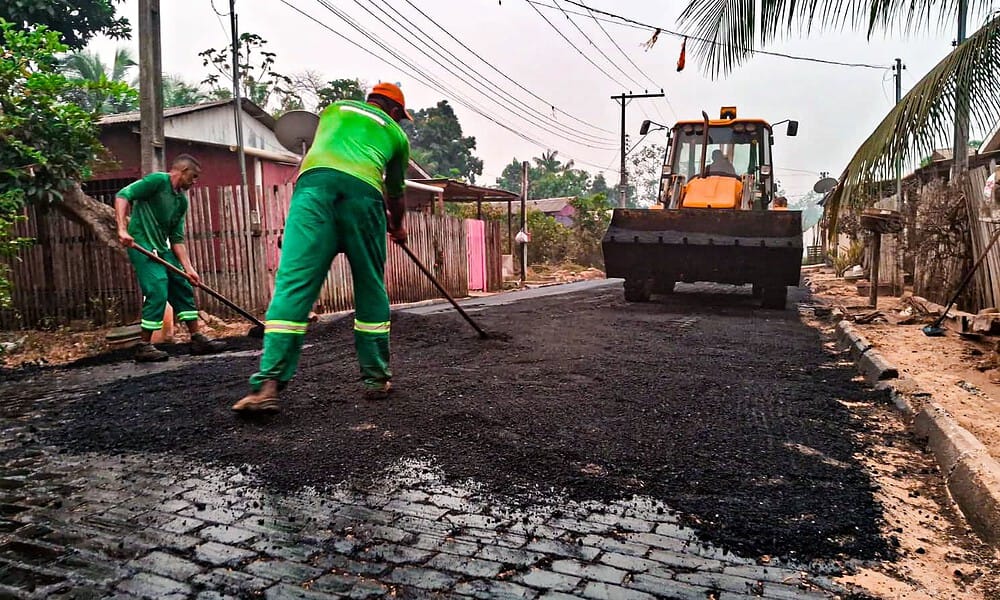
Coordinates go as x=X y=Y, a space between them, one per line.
x=737 y=164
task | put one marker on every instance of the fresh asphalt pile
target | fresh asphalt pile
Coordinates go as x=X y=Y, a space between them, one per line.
x=729 y=414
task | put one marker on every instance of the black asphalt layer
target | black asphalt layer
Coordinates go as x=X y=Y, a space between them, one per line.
x=732 y=415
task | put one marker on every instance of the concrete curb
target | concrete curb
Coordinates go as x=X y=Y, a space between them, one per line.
x=971 y=474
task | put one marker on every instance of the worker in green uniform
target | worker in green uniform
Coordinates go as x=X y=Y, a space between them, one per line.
x=338 y=206
x=158 y=205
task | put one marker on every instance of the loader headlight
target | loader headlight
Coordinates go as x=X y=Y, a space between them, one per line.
x=765 y=170
x=666 y=170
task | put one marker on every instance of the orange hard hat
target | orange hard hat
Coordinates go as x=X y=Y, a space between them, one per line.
x=392 y=92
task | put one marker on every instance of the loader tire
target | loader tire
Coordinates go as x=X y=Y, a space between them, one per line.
x=637 y=290
x=757 y=291
x=664 y=287
x=774 y=297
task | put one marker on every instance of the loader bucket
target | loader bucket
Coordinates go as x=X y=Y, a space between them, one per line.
x=653 y=249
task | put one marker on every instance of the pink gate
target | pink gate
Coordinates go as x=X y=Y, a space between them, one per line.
x=475 y=236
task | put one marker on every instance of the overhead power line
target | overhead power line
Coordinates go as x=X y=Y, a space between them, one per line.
x=596 y=47
x=504 y=75
x=575 y=47
x=422 y=77
x=497 y=95
x=714 y=42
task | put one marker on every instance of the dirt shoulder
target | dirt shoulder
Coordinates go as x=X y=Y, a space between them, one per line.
x=960 y=374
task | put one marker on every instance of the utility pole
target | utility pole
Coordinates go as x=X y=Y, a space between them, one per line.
x=623 y=100
x=961 y=148
x=237 y=100
x=898 y=74
x=524 y=221
x=150 y=88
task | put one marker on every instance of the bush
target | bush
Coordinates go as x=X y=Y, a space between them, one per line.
x=848 y=258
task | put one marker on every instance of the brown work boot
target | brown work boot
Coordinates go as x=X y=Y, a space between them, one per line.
x=378 y=392
x=201 y=344
x=263 y=400
x=146 y=352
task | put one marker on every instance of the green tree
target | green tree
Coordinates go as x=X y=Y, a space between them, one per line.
x=177 y=92
x=89 y=69
x=437 y=143
x=48 y=140
x=339 y=89
x=258 y=79
x=76 y=21
x=599 y=185
x=644 y=168
x=548 y=178
x=729 y=32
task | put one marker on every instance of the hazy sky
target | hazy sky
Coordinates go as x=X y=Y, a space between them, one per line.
x=836 y=106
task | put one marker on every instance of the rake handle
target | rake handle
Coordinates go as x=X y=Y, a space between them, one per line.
x=203 y=286
x=441 y=289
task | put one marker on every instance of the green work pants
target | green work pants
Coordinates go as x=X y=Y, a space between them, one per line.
x=160 y=286
x=331 y=212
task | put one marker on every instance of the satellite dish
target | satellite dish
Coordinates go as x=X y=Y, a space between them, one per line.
x=823 y=185
x=295 y=130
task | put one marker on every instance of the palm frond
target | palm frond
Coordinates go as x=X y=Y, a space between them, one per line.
x=123 y=62
x=725 y=33
x=924 y=119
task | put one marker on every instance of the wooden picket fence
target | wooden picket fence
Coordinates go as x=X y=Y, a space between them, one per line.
x=67 y=275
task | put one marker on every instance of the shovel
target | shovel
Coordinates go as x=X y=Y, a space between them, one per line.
x=255 y=332
x=482 y=334
x=935 y=329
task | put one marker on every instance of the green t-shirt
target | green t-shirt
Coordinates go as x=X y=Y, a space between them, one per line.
x=361 y=140
x=158 y=212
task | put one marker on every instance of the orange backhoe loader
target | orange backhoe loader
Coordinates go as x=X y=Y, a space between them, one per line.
x=716 y=219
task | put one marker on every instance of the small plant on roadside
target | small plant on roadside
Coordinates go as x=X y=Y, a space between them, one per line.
x=847 y=258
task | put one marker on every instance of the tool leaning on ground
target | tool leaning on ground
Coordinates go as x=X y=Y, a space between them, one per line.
x=482 y=334
x=257 y=331
x=935 y=329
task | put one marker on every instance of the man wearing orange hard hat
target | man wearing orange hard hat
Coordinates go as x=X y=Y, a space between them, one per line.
x=358 y=157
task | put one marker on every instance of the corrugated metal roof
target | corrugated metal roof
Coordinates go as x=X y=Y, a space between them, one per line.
x=133 y=117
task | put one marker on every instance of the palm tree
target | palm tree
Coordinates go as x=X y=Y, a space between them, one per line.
x=177 y=92
x=548 y=163
x=88 y=67
x=728 y=33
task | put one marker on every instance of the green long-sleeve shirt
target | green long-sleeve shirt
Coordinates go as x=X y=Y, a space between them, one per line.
x=158 y=211
x=361 y=140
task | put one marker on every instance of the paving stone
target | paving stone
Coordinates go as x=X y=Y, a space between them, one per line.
x=335 y=583
x=675 y=531
x=345 y=564
x=366 y=515
x=513 y=556
x=622 y=523
x=420 y=526
x=283 y=570
x=436 y=543
x=656 y=540
x=231 y=583
x=389 y=534
x=605 y=591
x=611 y=544
x=564 y=549
x=588 y=571
x=683 y=560
x=426 y=579
x=452 y=503
x=558 y=596
x=182 y=525
x=155 y=538
x=416 y=509
x=368 y=589
x=668 y=588
x=495 y=589
x=31 y=552
x=547 y=580
x=629 y=563
x=473 y=567
x=167 y=565
x=729 y=583
x=225 y=534
x=395 y=554
x=492 y=537
x=286 y=549
x=775 y=591
x=284 y=591
x=579 y=525
x=148 y=585
x=216 y=554
x=764 y=573
x=472 y=521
